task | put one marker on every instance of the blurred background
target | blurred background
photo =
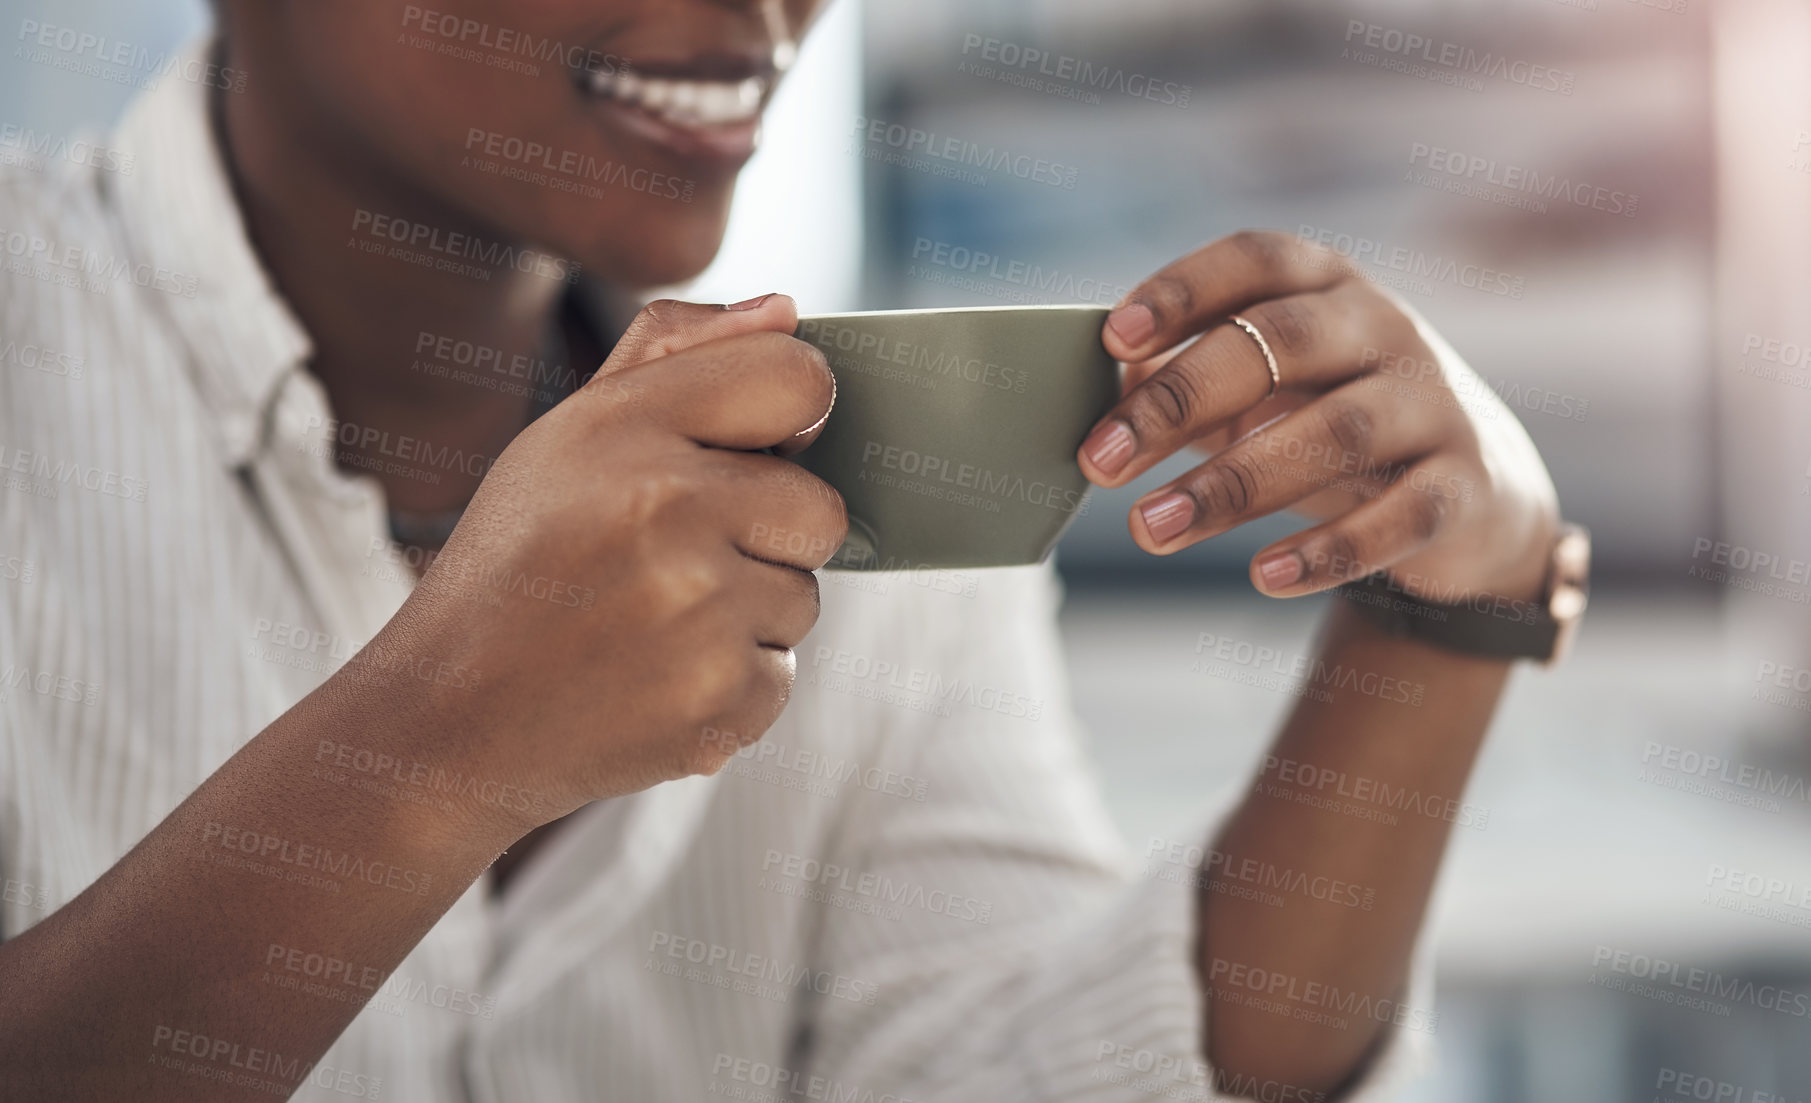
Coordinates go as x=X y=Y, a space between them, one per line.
x=1653 y=343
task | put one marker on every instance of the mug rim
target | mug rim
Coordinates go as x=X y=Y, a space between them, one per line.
x=958 y=310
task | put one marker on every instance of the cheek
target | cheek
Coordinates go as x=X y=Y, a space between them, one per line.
x=503 y=137
x=524 y=156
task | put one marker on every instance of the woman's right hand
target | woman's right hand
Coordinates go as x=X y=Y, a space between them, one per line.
x=624 y=590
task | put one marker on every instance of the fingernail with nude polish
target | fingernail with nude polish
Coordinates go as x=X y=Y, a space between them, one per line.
x=1281 y=570
x=1110 y=446
x=1134 y=323
x=1168 y=517
x=750 y=304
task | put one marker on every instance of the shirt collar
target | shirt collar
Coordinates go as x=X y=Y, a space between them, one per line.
x=179 y=214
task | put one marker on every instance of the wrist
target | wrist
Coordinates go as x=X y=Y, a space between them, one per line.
x=1523 y=619
x=416 y=747
x=1523 y=576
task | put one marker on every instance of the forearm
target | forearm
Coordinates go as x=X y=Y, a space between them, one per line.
x=1361 y=788
x=107 y=996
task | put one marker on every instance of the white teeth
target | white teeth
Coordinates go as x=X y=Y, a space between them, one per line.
x=685 y=102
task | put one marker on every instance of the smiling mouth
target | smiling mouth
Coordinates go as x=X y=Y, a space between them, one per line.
x=706 y=112
x=691 y=104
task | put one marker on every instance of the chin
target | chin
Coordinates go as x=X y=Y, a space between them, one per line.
x=656 y=251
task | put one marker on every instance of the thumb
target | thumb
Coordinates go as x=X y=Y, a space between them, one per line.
x=667 y=326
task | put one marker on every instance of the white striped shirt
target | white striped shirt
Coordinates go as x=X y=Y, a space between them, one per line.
x=908 y=890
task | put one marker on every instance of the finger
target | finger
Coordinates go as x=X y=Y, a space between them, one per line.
x=1251 y=420
x=778 y=512
x=802 y=439
x=1140 y=370
x=1348 y=440
x=761 y=700
x=1223 y=278
x=783 y=603
x=667 y=326
x=754 y=391
x=1318 y=340
x=1401 y=521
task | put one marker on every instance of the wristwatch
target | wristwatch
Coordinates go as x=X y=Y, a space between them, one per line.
x=1489 y=624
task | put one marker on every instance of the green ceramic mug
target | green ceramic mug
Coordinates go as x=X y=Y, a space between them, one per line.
x=954 y=434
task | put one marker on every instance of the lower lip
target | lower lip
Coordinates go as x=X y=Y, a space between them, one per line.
x=726 y=146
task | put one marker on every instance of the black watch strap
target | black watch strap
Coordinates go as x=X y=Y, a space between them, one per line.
x=1488 y=625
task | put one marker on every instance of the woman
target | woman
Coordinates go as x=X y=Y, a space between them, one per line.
x=338 y=328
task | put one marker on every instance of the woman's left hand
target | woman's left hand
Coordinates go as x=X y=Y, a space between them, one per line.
x=1377 y=429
